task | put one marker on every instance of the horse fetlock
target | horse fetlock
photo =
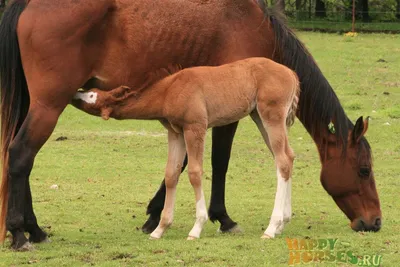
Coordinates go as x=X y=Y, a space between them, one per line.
x=14 y=222
x=201 y=218
x=166 y=222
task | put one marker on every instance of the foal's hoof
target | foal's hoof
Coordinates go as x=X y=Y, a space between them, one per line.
x=265 y=236
x=191 y=238
x=155 y=236
x=25 y=247
x=234 y=230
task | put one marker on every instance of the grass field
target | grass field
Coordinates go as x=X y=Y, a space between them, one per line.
x=108 y=170
x=344 y=26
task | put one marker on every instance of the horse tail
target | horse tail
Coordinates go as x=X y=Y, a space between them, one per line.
x=14 y=100
x=294 y=100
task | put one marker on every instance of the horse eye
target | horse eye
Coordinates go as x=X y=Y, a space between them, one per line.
x=364 y=172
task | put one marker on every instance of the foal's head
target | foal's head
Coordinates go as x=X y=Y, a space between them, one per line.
x=101 y=103
x=349 y=178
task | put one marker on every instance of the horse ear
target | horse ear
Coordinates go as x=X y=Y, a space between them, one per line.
x=359 y=129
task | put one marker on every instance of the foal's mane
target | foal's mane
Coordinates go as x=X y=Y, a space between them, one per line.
x=318 y=103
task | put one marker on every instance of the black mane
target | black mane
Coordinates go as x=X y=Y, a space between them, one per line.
x=318 y=103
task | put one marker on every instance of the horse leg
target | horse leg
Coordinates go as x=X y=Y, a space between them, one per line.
x=222 y=138
x=287 y=211
x=176 y=154
x=274 y=124
x=194 y=138
x=36 y=235
x=156 y=205
x=34 y=132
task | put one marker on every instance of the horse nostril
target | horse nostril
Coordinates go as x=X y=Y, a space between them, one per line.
x=362 y=225
x=378 y=223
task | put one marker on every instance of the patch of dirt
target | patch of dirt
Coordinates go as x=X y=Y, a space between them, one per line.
x=62 y=138
x=122 y=256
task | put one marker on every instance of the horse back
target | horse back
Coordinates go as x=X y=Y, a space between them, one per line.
x=118 y=41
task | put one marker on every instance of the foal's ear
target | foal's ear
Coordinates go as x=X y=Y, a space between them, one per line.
x=359 y=129
x=121 y=92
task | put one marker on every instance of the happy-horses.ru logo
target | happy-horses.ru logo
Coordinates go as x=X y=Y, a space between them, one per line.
x=303 y=251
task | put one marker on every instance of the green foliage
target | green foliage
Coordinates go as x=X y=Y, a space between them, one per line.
x=108 y=170
x=341 y=10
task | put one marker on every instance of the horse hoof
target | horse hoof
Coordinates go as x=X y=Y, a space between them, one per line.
x=46 y=240
x=191 y=238
x=234 y=230
x=149 y=226
x=154 y=237
x=26 y=247
x=265 y=236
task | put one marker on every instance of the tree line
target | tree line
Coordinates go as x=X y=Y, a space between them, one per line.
x=365 y=10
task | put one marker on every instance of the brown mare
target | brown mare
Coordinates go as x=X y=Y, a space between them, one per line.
x=190 y=101
x=50 y=48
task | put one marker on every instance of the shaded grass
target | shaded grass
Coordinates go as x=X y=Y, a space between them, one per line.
x=108 y=171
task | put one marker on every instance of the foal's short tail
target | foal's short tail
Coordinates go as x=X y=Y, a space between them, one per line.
x=294 y=102
x=14 y=99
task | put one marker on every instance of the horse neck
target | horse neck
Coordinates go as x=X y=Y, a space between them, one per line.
x=318 y=103
x=148 y=103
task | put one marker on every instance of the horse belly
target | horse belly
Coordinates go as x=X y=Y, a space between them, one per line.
x=229 y=111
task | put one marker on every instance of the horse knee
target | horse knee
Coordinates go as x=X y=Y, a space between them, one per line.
x=20 y=161
x=290 y=154
x=285 y=166
x=195 y=176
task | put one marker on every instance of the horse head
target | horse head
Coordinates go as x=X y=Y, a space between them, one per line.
x=349 y=179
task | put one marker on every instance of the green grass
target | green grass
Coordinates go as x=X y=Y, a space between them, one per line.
x=108 y=170
x=344 y=26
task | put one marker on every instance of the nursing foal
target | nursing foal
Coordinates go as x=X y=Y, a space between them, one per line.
x=194 y=99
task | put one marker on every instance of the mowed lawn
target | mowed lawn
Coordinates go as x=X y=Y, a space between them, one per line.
x=107 y=171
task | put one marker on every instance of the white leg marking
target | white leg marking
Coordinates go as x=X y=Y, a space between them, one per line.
x=167 y=215
x=88 y=97
x=287 y=213
x=201 y=217
x=276 y=223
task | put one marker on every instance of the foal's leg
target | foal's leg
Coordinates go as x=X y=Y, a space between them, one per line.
x=274 y=123
x=222 y=138
x=176 y=154
x=287 y=211
x=156 y=205
x=194 y=138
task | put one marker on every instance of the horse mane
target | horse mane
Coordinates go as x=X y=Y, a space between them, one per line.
x=318 y=103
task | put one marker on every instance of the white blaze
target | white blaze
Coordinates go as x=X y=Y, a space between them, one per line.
x=88 y=97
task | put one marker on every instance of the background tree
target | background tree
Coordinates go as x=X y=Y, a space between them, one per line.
x=398 y=9
x=2 y=3
x=320 y=9
x=280 y=3
x=365 y=10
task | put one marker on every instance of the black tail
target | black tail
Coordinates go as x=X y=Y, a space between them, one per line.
x=14 y=94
